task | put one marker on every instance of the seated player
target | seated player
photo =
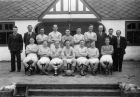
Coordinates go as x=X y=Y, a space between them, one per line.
x=93 y=54
x=78 y=37
x=31 y=58
x=56 y=62
x=67 y=36
x=43 y=53
x=68 y=56
x=81 y=55
x=106 y=59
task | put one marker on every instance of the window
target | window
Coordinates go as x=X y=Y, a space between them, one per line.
x=5 y=31
x=133 y=32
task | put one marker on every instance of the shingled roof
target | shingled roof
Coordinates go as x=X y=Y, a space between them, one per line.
x=106 y=9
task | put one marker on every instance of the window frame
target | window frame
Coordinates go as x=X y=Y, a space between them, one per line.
x=127 y=30
x=6 y=31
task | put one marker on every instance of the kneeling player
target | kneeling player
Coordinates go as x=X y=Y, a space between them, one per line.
x=81 y=55
x=31 y=58
x=56 y=61
x=44 y=53
x=68 y=56
x=106 y=59
x=93 y=54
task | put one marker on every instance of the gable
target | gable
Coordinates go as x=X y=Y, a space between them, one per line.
x=65 y=9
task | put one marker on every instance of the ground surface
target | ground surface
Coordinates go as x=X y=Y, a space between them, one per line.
x=130 y=73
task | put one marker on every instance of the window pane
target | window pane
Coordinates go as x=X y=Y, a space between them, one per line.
x=137 y=37
x=6 y=27
x=131 y=26
x=0 y=26
x=139 y=26
x=10 y=26
x=130 y=37
x=3 y=38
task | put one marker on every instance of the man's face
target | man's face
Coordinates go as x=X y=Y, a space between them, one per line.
x=100 y=28
x=55 y=28
x=67 y=43
x=41 y=31
x=110 y=32
x=67 y=32
x=32 y=41
x=107 y=41
x=118 y=33
x=15 y=30
x=56 y=44
x=30 y=28
x=82 y=43
x=78 y=30
x=90 y=28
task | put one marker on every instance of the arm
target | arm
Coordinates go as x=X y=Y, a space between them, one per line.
x=95 y=37
x=97 y=54
x=24 y=38
x=21 y=42
x=9 y=42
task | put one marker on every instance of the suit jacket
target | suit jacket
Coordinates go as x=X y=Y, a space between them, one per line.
x=15 y=43
x=123 y=44
x=27 y=38
x=100 y=40
x=112 y=40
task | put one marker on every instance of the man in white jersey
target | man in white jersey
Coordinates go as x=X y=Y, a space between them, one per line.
x=41 y=37
x=54 y=36
x=90 y=36
x=93 y=54
x=78 y=37
x=81 y=55
x=106 y=59
x=44 y=54
x=31 y=58
x=68 y=56
x=67 y=36
x=56 y=62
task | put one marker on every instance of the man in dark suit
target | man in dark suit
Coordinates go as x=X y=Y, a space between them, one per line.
x=28 y=35
x=101 y=35
x=112 y=42
x=119 y=50
x=15 y=45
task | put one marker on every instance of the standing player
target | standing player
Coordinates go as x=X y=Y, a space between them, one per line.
x=44 y=53
x=15 y=45
x=119 y=51
x=81 y=55
x=106 y=59
x=41 y=37
x=54 y=36
x=101 y=35
x=78 y=37
x=28 y=35
x=67 y=36
x=56 y=62
x=68 y=56
x=93 y=54
x=31 y=58
x=90 y=36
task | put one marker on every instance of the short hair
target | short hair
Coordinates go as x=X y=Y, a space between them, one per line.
x=41 y=28
x=107 y=38
x=15 y=27
x=67 y=29
x=119 y=31
x=90 y=25
x=78 y=27
x=66 y=41
x=31 y=38
x=29 y=25
x=110 y=29
x=55 y=25
x=82 y=40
